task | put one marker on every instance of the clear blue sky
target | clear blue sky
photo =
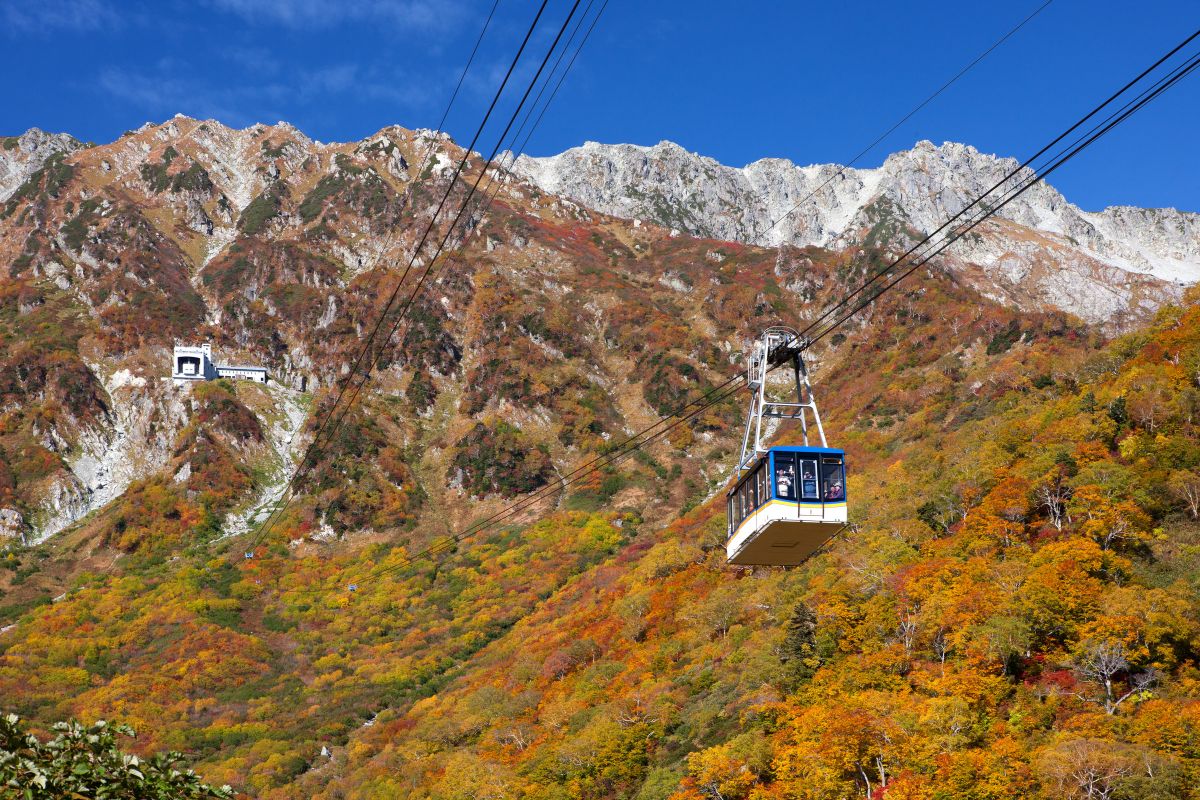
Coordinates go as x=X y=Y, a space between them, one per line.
x=813 y=82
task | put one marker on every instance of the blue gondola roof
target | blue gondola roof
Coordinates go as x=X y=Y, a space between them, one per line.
x=786 y=449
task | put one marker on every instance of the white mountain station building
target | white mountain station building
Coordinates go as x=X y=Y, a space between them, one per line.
x=195 y=363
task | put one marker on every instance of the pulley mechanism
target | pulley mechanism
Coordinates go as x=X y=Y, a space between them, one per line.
x=776 y=347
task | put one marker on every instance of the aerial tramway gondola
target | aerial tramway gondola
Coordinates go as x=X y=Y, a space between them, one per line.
x=786 y=502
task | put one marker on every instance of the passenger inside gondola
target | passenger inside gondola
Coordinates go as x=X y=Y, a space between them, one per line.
x=785 y=478
x=833 y=480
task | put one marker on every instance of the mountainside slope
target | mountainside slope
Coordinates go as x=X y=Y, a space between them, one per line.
x=1019 y=538
x=183 y=232
x=1146 y=253
x=1023 y=493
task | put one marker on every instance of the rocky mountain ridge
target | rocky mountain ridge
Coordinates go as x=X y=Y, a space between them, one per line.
x=21 y=156
x=278 y=249
x=1111 y=263
x=1114 y=266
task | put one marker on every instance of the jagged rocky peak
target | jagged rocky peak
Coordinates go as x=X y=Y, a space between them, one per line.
x=242 y=163
x=773 y=201
x=36 y=140
x=21 y=156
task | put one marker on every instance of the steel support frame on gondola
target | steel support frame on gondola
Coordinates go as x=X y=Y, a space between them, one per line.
x=774 y=348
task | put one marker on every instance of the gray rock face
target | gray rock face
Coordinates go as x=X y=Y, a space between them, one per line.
x=1117 y=261
x=134 y=440
x=11 y=524
x=24 y=155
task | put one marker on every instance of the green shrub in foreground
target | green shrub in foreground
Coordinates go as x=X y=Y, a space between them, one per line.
x=86 y=762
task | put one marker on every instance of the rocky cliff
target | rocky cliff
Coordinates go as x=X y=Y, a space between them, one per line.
x=1108 y=265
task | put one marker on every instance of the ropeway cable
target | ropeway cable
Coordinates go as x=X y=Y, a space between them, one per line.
x=496 y=183
x=490 y=199
x=831 y=311
x=1174 y=76
x=1096 y=133
x=430 y=147
x=518 y=149
x=281 y=506
x=365 y=376
x=757 y=236
x=714 y=396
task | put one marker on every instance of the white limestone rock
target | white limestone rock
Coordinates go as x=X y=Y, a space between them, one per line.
x=1111 y=263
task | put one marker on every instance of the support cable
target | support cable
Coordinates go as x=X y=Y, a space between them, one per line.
x=831 y=311
x=1094 y=134
x=495 y=181
x=756 y=239
x=288 y=494
x=365 y=376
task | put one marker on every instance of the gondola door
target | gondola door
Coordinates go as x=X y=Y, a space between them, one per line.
x=809 y=505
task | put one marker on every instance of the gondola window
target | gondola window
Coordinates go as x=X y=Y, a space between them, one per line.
x=808 y=479
x=785 y=476
x=834 y=479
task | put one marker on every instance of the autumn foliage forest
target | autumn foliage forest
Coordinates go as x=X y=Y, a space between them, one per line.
x=1012 y=612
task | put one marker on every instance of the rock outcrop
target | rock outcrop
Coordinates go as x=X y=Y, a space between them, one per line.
x=1107 y=265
